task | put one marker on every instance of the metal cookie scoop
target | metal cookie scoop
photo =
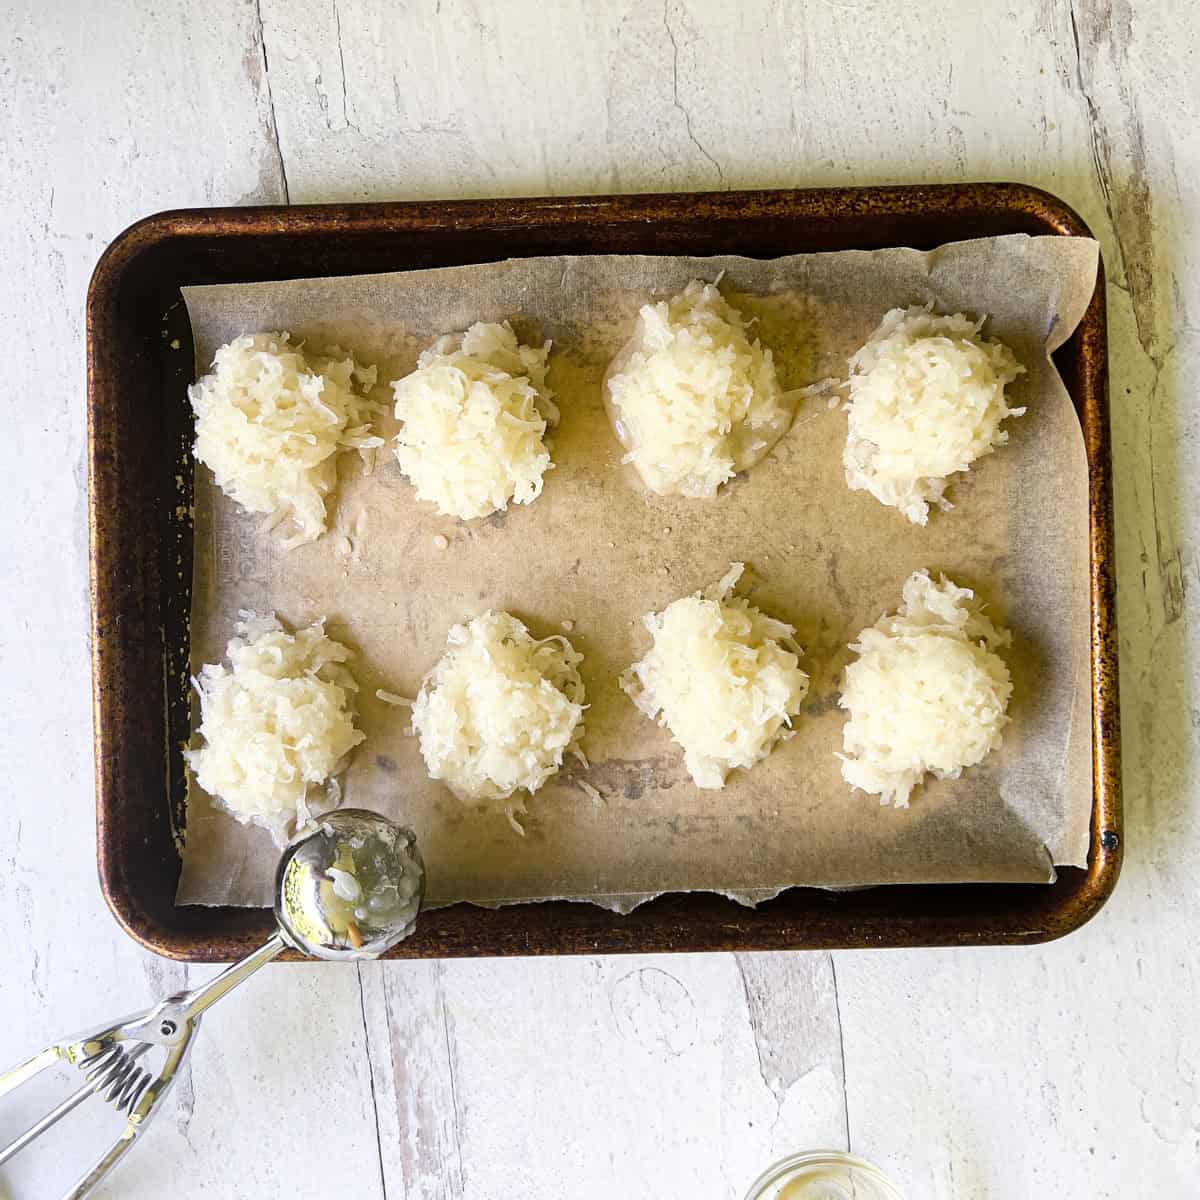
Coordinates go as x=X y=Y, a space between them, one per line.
x=351 y=890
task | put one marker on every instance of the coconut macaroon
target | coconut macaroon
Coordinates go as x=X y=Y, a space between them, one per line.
x=723 y=677
x=926 y=401
x=475 y=413
x=692 y=399
x=277 y=724
x=927 y=692
x=499 y=711
x=270 y=421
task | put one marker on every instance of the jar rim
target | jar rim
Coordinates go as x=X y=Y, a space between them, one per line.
x=778 y=1172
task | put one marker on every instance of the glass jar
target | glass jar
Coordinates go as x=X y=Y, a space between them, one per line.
x=823 y=1175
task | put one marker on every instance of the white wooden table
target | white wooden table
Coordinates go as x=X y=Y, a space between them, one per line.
x=1071 y=1070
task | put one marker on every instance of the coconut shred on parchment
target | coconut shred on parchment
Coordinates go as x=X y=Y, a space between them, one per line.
x=598 y=550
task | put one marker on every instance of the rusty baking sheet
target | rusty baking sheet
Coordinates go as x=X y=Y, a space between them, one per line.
x=139 y=424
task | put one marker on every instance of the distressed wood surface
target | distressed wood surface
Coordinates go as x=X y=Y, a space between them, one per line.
x=1070 y=1070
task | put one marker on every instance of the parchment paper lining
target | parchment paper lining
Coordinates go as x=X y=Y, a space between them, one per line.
x=598 y=550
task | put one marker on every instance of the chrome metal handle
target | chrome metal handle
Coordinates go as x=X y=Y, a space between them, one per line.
x=112 y=1070
x=200 y=999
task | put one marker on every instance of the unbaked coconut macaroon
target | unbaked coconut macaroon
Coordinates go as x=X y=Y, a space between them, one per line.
x=691 y=398
x=499 y=711
x=926 y=401
x=722 y=676
x=276 y=725
x=475 y=413
x=271 y=419
x=927 y=693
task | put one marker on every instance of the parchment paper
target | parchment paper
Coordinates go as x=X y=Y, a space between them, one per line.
x=598 y=550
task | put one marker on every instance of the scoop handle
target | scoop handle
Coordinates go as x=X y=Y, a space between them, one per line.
x=200 y=999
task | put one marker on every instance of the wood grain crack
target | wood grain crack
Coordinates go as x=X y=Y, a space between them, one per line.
x=452 y=1063
x=337 y=20
x=1166 y=550
x=362 y=1008
x=679 y=106
x=759 y=1056
x=1127 y=200
x=272 y=122
x=1094 y=124
x=1103 y=33
x=837 y=1008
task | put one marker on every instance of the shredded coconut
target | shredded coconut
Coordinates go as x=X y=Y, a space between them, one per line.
x=592 y=792
x=475 y=412
x=722 y=677
x=926 y=693
x=277 y=724
x=270 y=421
x=926 y=401
x=345 y=885
x=498 y=712
x=691 y=398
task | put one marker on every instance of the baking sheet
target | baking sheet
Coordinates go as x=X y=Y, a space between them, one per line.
x=598 y=550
